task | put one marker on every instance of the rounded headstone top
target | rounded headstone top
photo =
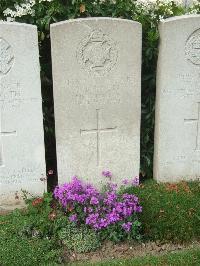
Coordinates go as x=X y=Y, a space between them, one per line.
x=95 y=19
x=188 y=39
x=178 y=18
x=17 y=24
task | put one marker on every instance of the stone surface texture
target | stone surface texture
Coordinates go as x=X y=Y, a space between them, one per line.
x=97 y=76
x=188 y=2
x=177 y=133
x=22 y=158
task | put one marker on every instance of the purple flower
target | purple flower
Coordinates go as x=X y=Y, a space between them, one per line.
x=90 y=210
x=113 y=217
x=125 y=181
x=94 y=201
x=127 y=212
x=112 y=186
x=139 y=209
x=107 y=174
x=73 y=218
x=98 y=210
x=119 y=207
x=92 y=218
x=127 y=226
x=91 y=191
x=135 y=181
x=110 y=199
x=103 y=223
x=80 y=198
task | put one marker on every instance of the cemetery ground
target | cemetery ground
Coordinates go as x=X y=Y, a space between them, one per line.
x=170 y=229
x=103 y=63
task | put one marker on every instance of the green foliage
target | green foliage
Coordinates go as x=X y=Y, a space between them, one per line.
x=34 y=236
x=46 y=12
x=170 y=212
x=36 y=217
x=115 y=233
x=79 y=239
x=43 y=218
x=17 y=249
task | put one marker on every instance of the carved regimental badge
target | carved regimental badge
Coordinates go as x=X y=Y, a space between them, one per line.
x=192 y=48
x=6 y=57
x=97 y=53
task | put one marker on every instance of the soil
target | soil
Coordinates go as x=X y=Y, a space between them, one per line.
x=110 y=251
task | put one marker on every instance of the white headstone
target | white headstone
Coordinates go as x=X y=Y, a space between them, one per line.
x=22 y=158
x=97 y=76
x=188 y=3
x=177 y=133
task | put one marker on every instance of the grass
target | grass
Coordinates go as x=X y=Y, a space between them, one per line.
x=184 y=258
x=170 y=213
x=19 y=250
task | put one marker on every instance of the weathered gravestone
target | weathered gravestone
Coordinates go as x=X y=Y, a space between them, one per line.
x=177 y=133
x=187 y=3
x=22 y=158
x=96 y=72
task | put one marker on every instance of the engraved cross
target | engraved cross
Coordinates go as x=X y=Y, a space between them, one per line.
x=97 y=131
x=4 y=134
x=197 y=121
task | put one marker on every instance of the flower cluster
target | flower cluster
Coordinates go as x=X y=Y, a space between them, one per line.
x=158 y=9
x=23 y=9
x=85 y=204
x=20 y=10
x=155 y=9
x=133 y=182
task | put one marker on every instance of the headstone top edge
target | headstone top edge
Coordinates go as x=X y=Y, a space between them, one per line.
x=178 y=18
x=18 y=24
x=72 y=21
